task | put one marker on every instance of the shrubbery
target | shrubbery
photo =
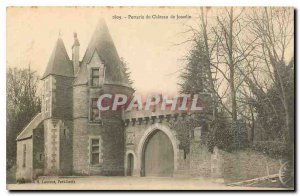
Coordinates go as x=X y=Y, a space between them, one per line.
x=275 y=149
x=23 y=181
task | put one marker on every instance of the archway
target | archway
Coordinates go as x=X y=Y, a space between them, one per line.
x=157 y=155
x=130 y=164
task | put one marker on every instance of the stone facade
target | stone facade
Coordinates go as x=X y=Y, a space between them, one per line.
x=30 y=155
x=242 y=165
x=24 y=164
x=191 y=156
x=76 y=139
x=71 y=137
x=66 y=138
x=136 y=136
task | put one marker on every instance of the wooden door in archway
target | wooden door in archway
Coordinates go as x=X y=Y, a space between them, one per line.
x=158 y=158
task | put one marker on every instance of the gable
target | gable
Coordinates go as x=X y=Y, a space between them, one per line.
x=95 y=59
x=102 y=44
x=28 y=130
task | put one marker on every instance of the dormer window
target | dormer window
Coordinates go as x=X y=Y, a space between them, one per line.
x=97 y=75
x=95 y=80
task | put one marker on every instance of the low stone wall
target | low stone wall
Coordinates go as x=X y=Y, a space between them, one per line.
x=200 y=160
x=242 y=165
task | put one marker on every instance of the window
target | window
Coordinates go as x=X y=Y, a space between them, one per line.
x=95 y=113
x=95 y=151
x=65 y=133
x=24 y=155
x=95 y=77
x=47 y=105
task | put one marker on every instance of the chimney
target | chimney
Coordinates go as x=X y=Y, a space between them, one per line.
x=75 y=54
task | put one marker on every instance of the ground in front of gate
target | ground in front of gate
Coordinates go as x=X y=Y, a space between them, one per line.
x=127 y=183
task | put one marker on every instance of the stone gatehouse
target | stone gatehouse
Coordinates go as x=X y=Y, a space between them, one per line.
x=70 y=136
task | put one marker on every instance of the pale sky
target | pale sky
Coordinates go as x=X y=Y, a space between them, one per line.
x=147 y=45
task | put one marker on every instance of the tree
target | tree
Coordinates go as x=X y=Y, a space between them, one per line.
x=244 y=55
x=276 y=34
x=126 y=70
x=200 y=75
x=22 y=104
x=193 y=78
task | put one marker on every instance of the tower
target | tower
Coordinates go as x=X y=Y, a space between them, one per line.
x=57 y=105
x=98 y=137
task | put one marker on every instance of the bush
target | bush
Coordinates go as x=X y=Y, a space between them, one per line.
x=274 y=149
x=228 y=135
x=23 y=181
x=220 y=135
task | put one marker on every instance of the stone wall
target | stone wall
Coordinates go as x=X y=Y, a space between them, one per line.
x=200 y=160
x=62 y=97
x=80 y=146
x=38 y=151
x=81 y=102
x=183 y=165
x=136 y=136
x=66 y=149
x=192 y=159
x=113 y=147
x=52 y=146
x=109 y=130
x=24 y=170
x=80 y=130
x=244 y=165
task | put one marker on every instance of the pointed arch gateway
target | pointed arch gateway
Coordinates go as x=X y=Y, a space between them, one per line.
x=158 y=155
x=158 y=152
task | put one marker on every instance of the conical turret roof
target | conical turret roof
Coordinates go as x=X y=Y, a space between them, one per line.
x=102 y=43
x=59 y=62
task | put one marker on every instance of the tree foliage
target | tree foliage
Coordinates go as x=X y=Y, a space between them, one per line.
x=246 y=56
x=22 y=104
x=126 y=70
x=193 y=78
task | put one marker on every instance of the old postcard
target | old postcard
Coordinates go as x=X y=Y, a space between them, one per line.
x=150 y=98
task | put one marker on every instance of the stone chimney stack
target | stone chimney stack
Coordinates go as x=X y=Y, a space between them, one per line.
x=75 y=54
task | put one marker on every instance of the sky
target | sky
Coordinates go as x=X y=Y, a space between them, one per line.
x=150 y=46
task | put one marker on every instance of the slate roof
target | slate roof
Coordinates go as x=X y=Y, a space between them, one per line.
x=102 y=43
x=59 y=62
x=28 y=130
